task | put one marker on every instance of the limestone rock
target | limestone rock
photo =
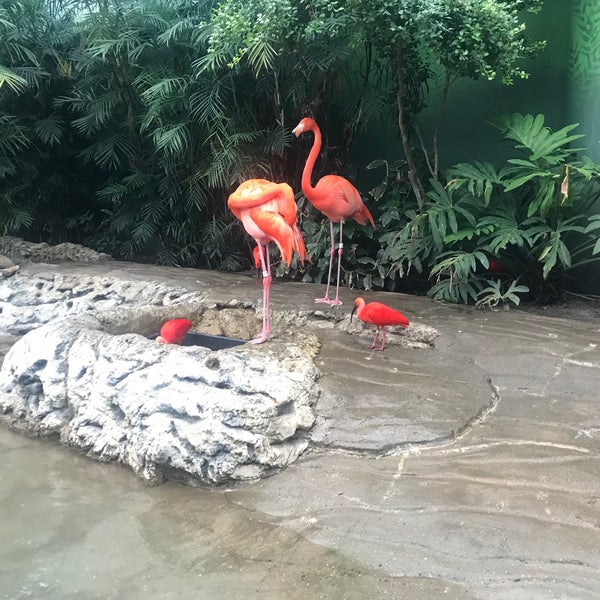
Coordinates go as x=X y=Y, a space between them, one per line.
x=7 y=266
x=28 y=302
x=182 y=413
x=19 y=249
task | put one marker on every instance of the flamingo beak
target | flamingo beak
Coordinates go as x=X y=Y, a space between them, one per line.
x=352 y=313
x=298 y=129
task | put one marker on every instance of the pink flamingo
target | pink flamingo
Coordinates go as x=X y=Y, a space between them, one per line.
x=268 y=213
x=335 y=197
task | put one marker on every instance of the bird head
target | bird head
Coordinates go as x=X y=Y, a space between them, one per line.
x=359 y=304
x=356 y=303
x=305 y=125
x=173 y=331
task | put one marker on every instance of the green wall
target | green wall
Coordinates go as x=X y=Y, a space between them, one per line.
x=584 y=72
x=465 y=133
x=584 y=100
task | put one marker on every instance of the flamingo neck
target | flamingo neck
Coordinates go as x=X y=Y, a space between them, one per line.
x=307 y=188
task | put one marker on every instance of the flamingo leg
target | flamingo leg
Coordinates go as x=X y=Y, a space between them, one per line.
x=265 y=261
x=326 y=299
x=337 y=301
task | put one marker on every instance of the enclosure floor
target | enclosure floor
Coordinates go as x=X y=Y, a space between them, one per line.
x=469 y=470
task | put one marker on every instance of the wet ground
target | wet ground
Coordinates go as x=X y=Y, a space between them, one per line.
x=469 y=470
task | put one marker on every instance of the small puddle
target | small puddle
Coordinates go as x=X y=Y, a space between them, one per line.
x=206 y=340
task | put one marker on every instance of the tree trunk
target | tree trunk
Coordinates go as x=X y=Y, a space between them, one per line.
x=413 y=175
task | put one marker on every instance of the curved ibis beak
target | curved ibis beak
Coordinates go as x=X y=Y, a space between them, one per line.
x=352 y=313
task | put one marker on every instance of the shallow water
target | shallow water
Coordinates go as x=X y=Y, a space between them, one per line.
x=74 y=528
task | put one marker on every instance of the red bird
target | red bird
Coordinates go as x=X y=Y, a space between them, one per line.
x=335 y=197
x=256 y=256
x=173 y=331
x=380 y=315
x=268 y=213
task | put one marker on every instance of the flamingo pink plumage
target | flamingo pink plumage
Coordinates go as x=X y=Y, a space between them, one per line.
x=335 y=197
x=268 y=213
x=173 y=331
x=380 y=315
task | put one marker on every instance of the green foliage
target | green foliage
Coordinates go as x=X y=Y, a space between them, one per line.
x=499 y=292
x=36 y=173
x=416 y=40
x=252 y=30
x=593 y=225
x=124 y=125
x=529 y=220
x=111 y=136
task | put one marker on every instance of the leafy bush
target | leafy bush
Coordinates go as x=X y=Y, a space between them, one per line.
x=528 y=222
x=421 y=41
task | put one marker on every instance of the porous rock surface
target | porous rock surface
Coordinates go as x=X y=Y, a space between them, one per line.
x=86 y=371
x=22 y=250
x=7 y=266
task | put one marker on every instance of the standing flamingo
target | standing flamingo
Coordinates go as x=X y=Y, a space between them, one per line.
x=380 y=315
x=268 y=213
x=335 y=197
x=173 y=331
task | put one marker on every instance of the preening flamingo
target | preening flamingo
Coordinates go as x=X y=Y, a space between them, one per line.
x=173 y=331
x=380 y=315
x=268 y=213
x=335 y=197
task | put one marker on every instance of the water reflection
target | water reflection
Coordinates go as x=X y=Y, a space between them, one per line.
x=74 y=528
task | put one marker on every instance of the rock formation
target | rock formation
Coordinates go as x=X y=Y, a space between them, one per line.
x=80 y=365
x=183 y=413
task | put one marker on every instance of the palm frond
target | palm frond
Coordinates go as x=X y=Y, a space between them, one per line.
x=206 y=104
x=13 y=136
x=176 y=32
x=50 y=130
x=261 y=55
x=9 y=78
x=172 y=139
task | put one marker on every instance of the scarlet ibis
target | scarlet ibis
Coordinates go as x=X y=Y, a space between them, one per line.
x=268 y=213
x=173 y=331
x=335 y=197
x=380 y=315
x=256 y=256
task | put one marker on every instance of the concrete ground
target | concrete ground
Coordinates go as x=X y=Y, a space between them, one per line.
x=465 y=470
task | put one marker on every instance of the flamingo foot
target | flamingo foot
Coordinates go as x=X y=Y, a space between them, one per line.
x=328 y=300
x=260 y=339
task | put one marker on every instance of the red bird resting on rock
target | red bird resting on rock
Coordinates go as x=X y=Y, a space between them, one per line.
x=335 y=197
x=268 y=213
x=173 y=331
x=380 y=315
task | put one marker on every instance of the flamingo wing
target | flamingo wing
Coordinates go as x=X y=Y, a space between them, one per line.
x=286 y=206
x=252 y=193
x=338 y=199
x=274 y=228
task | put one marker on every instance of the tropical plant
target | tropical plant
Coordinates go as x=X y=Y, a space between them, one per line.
x=499 y=294
x=528 y=221
x=418 y=42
